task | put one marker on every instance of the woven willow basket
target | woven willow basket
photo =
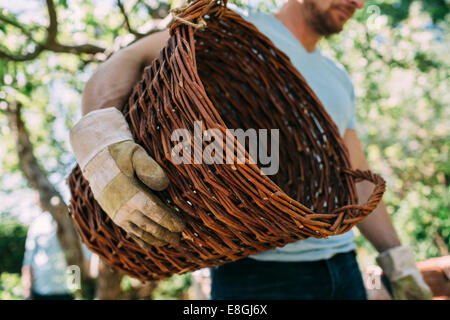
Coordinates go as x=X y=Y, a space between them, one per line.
x=229 y=75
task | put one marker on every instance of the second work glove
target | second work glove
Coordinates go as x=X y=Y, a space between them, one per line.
x=406 y=281
x=121 y=175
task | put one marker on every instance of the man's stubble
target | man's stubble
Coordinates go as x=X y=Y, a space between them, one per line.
x=321 y=21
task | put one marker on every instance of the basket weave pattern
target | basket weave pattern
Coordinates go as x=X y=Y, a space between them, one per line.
x=229 y=75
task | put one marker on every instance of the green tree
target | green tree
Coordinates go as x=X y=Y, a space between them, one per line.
x=44 y=60
x=396 y=52
x=12 y=245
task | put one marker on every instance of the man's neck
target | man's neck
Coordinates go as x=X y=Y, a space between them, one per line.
x=292 y=17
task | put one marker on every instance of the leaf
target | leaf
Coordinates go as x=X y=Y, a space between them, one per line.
x=63 y=3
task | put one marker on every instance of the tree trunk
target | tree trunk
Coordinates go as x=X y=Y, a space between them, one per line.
x=108 y=283
x=52 y=201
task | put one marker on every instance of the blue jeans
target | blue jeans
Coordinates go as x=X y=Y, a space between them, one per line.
x=337 y=278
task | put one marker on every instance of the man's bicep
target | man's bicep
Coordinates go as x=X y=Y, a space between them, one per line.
x=355 y=150
x=148 y=48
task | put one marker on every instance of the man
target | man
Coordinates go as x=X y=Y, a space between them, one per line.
x=308 y=269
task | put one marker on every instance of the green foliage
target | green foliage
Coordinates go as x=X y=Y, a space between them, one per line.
x=10 y=286
x=396 y=54
x=172 y=288
x=401 y=81
x=399 y=10
x=423 y=220
x=175 y=287
x=12 y=245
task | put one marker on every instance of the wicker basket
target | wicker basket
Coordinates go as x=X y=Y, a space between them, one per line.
x=229 y=75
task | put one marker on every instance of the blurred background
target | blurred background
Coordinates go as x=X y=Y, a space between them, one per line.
x=396 y=52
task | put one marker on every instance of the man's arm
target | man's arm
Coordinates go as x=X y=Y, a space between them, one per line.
x=121 y=174
x=113 y=80
x=397 y=261
x=377 y=227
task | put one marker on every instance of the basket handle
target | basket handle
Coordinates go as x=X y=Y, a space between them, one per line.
x=375 y=198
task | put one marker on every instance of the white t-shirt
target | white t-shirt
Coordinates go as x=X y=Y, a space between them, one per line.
x=332 y=85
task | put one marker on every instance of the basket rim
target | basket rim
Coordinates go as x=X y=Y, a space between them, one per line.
x=192 y=13
x=218 y=8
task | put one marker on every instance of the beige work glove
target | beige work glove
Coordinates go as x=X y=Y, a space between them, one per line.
x=120 y=173
x=399 y=266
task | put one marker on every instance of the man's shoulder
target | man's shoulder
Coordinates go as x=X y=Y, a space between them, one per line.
x=338 y=70
x=248 y=12
x=242 y=11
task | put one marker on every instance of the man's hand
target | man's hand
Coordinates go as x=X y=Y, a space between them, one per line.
x=406 y=281
x=120 y=173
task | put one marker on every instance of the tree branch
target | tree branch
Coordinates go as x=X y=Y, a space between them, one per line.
x=20 y=58
x=52 y=29
x=17 y=25
x=77 y=49
x=51 y=43
x=127 y=20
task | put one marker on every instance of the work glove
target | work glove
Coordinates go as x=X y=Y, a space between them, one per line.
x=120 y=173
x=406 y=281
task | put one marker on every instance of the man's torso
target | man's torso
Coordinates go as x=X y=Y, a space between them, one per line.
x=334 y=89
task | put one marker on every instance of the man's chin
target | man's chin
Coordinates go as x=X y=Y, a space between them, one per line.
x=335 y=28
x=329 y=25
x=339 y=28
x=337 y=23
x=332 y=30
